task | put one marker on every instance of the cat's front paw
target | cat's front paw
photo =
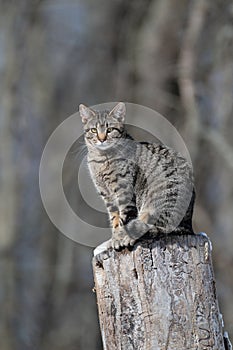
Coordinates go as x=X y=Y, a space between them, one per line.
x=121 y=240
x=128 y=241
x=118 y=244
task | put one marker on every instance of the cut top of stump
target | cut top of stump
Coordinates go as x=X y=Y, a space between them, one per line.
x=159 y=295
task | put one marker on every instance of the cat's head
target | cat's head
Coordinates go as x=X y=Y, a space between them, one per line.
x=103 y=129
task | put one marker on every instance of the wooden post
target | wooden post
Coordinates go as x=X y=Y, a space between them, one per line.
x=160 y=296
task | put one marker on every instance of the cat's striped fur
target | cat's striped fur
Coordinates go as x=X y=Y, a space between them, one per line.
x=145 y=186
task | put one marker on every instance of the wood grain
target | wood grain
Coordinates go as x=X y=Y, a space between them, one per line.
x=161 y=295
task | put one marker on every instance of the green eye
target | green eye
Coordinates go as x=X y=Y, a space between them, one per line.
x=109 y=129
x=94 y=130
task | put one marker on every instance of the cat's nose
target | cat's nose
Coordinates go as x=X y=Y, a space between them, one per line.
x=102 y=137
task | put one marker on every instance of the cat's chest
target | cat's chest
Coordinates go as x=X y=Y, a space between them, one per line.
x=97 y=167
x=111 y=169
x=100 y=169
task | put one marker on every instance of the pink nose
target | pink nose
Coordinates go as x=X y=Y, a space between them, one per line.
x=102 y=137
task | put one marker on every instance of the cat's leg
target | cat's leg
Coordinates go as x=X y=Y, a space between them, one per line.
x=118 y=230
x=165 y=216
x=120 y=237
x=136 y=228
x=127 y=226
x=128 y=234
x=120 y=209
x=114 y=217
x=111 y=205
x=127 y=212
x=121 y=212
x=126 y=202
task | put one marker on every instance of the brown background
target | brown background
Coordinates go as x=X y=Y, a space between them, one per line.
x=174 y=56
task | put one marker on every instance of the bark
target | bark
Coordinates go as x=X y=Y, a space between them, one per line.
x=160 y=295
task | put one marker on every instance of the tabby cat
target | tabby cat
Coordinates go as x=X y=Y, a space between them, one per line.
x=147 y=187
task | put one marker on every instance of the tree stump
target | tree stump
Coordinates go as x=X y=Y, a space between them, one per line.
x=160 y=295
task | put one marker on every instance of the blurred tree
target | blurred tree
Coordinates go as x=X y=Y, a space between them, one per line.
x=173 y=56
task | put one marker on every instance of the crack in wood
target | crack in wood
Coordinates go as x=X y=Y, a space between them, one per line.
x=161 y=295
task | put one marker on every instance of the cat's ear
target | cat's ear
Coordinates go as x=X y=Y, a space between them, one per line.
x=86 y=113
x=119 y=112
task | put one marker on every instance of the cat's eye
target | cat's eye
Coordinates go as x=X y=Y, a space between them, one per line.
x=109 y=129
x=94 y=130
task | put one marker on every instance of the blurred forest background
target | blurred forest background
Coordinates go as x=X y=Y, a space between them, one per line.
x=175 y=56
